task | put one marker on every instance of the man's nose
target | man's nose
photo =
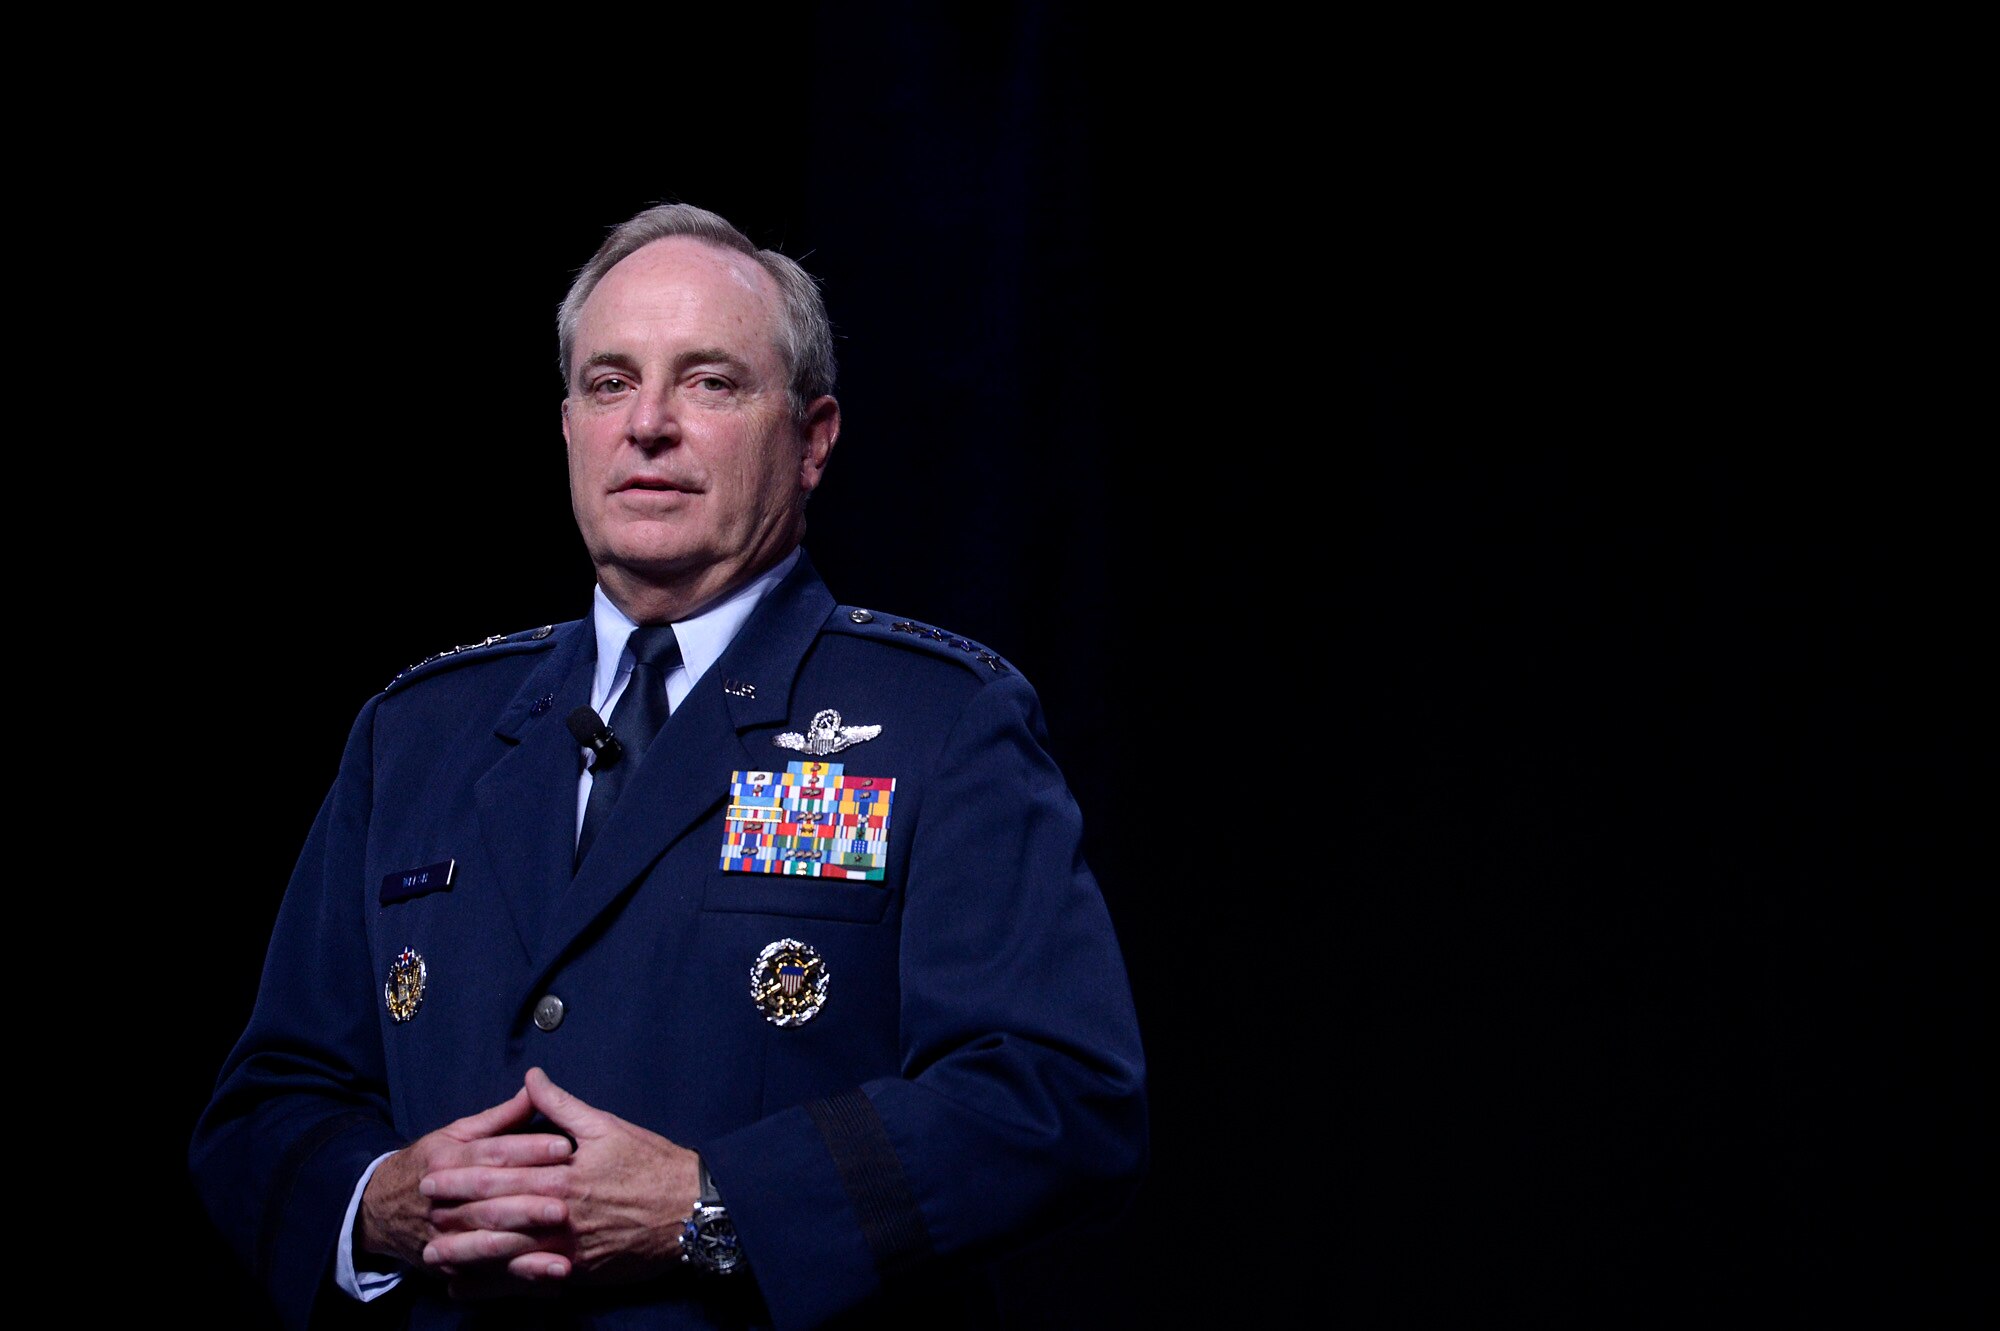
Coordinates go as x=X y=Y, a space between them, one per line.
x=655 y=418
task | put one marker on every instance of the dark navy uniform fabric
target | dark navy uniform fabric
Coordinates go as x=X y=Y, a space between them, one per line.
x=974 y=1076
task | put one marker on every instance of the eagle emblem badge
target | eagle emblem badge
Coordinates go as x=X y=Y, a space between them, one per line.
x=788 y=982
x=404 y=989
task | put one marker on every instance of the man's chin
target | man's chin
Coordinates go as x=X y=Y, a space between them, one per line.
x=656 y=568
x=655 y=585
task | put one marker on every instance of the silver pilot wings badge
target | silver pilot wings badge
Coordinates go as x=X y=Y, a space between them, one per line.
x=825 y=735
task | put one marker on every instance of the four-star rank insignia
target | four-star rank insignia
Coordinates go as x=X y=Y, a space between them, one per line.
x=788 y=983
x=404 y=990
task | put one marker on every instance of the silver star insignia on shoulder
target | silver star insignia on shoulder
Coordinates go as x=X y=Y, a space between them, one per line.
x=825 y=735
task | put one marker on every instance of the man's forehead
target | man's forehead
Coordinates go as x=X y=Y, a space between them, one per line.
x=686 y=289
x=682 y=261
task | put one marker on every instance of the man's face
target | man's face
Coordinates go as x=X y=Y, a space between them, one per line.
x=686 y=470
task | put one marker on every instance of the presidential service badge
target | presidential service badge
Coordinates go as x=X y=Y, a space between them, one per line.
x=404 y=991
x=788 y=983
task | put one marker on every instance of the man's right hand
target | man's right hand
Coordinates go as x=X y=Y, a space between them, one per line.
x=397 y=1221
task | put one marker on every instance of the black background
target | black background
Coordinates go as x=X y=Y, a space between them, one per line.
x=1495 y=557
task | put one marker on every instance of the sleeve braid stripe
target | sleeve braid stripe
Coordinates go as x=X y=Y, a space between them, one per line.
x=874 y=1180
x=286 y=1175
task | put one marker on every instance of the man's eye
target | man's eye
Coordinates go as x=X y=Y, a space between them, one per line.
x=610 y=383
x=712 y=383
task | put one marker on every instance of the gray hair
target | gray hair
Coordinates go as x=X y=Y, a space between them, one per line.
x=806 y=340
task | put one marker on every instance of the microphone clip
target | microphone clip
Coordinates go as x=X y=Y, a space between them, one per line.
x=590 y=732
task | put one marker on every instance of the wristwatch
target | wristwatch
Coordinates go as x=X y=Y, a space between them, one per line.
x=708 y=1235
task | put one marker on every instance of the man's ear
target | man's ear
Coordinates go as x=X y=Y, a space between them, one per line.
x=822 y=431
x=565 y=423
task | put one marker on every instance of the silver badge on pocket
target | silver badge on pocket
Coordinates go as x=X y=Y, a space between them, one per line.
x=788 y=983
x=404 y=990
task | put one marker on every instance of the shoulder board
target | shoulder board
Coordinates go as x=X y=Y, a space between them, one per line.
x=484 y=649
x=868 y=624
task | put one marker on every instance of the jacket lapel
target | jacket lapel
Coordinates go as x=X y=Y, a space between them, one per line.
x=527 y=800
x=685 y=774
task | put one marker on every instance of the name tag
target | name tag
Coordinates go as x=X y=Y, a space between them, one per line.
x=416 y=882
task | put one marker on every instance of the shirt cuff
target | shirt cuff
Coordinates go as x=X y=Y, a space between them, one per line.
x=362 y=1285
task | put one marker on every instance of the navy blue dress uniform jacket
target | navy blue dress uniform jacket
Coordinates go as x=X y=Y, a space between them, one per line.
x=974 y=1075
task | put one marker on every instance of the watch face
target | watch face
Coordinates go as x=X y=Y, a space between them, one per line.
x=708 y=1240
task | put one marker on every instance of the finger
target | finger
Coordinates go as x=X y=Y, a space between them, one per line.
x=476 y=1183
x=509 y=1113
x=539 y=1266
x=563 y=1109
x=512 y=1150
x=456 y=1254
x=520 y=1213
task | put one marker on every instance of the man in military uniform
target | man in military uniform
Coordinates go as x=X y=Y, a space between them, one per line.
x=785 y=996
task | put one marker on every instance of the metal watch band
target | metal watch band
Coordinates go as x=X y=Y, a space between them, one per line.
x=708 y=1236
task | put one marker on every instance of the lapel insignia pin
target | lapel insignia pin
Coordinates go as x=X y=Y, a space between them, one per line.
x=404 y=990
x=738 y=688
x=825 y=735
x=788 y=983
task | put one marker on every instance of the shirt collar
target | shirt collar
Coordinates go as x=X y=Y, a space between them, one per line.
x=703 y=638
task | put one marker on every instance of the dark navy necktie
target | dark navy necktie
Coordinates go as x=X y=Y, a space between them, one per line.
x=641 y=711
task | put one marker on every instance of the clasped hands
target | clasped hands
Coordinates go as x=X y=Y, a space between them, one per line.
x=496 y=1211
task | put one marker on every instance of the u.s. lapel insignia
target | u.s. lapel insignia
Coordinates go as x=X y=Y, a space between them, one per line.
x=404 y=989
x=811 y=820
x=788 y=983
x=825 y=735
